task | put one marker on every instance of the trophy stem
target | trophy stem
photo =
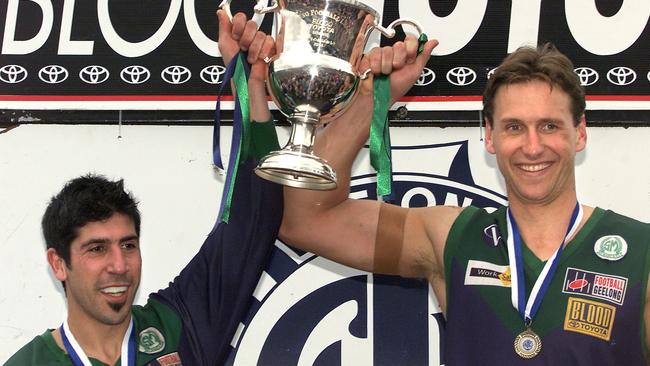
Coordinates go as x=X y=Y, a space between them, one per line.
x=296 y=165
x=303 y=131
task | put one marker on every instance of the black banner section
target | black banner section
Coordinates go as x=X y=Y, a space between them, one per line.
x=162 y=54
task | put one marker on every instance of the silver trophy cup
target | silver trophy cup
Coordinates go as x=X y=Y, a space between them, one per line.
x=313 y=77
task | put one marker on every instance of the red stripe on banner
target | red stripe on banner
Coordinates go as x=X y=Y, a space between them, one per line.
x=199 y=98
x=443 y=98
x=629 y=98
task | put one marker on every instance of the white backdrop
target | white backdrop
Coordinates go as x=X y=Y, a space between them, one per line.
x=169 y=171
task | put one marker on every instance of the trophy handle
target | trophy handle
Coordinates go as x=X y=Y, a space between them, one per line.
x=260 y=8
x=225 y=6
x=389 y=32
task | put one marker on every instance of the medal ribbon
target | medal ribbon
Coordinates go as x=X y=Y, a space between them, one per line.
x=528 y=309
x=380 y=158
x=237 y=70
x=380 y=146
x=78 y=356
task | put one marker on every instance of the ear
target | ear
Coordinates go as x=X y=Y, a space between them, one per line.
x=57 y=264
x=581 y=134
x=489 y=144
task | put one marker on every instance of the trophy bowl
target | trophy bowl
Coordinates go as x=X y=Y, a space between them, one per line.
x=313 y=77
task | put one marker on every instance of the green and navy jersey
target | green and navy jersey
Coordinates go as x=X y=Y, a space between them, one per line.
x=592 y=313
x=193 y=320
x=157 y=330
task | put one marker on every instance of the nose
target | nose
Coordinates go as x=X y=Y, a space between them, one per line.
x=117 y=261
x=533 y=145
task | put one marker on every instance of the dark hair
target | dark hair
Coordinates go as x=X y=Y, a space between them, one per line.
x=544 y=63
x=82 y=200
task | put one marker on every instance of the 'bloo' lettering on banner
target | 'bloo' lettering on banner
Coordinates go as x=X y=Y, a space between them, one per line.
x=594 y=32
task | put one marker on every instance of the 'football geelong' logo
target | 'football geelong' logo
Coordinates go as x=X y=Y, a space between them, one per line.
x=309 y=310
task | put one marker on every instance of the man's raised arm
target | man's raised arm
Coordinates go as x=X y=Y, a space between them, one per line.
x=366 y=234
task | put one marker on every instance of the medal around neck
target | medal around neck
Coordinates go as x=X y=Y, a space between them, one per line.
x=528 y=344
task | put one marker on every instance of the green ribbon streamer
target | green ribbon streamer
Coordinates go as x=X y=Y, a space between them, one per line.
x=380 y=137
x=241 y=87
x=380 y=150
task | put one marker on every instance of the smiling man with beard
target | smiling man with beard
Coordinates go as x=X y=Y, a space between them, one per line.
x=92 y=232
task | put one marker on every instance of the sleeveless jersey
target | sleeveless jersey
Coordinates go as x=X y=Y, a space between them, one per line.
x=193 y=320
x=592 y=313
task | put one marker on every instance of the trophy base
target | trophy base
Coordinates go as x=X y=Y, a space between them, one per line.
x=298 y=170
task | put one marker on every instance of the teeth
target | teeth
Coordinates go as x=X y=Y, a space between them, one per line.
x=114 y=290
x=534 y=168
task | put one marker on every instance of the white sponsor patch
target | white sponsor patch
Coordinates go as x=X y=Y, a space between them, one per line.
x=596 y=285
x=487 y=274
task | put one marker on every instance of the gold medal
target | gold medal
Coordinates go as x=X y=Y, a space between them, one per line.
x=528 y=344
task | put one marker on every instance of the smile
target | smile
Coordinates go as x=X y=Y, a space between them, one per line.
x=534 y=167
x=115 y=290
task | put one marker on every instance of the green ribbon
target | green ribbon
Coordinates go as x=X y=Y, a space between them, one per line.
x=380 y=137
x=380 y=148
x=241 y=87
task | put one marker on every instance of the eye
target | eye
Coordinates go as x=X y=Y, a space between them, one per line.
x=97 y=249
x=514 y=127
x=549 y=126
x=129 y=245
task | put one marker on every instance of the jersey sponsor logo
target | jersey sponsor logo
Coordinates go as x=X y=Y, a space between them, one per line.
x=151 y=341
x=588 y=317
x=487 y=274
x=307 y=310
x=596 y=285
x=610 y=247
x=172 y=359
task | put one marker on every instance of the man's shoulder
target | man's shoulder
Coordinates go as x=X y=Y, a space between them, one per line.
x=475 y=214
x=41 y=351
x=623 y=217
x=623 y=222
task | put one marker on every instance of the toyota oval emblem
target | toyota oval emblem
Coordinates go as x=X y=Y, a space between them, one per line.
x=135 y=74
x=621 y=75
x=212 y=74
x=587 y=75
x=53 y=74
x=13 y=74
x=94 y=74
x=461 y=76
x=176 y=74
x=427 y=77
x=490 y=73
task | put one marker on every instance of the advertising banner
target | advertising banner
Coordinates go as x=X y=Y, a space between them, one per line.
x=163 y=54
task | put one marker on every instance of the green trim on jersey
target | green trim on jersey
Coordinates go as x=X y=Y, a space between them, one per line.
x=264 y=138
x=467 y=241
x=43 y=350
